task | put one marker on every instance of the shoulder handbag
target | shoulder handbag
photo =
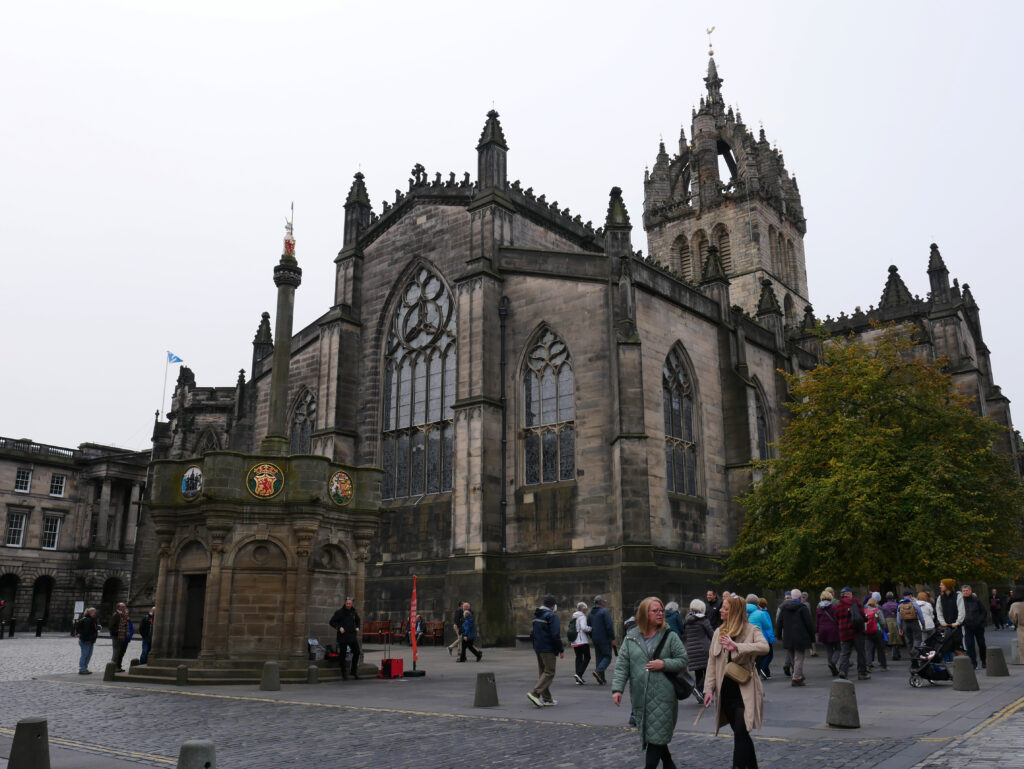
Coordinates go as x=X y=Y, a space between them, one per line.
x=736 y=671
x=682 y=682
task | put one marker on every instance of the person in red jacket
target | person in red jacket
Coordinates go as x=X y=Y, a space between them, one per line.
x=850 y=617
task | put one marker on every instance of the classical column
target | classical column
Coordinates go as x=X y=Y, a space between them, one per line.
x=162 y=631
x=215 y=641
x=133 y=516
x=102 y=523
x=287 y=277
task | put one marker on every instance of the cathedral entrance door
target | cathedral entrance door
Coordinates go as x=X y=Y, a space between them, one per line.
x=195 y=604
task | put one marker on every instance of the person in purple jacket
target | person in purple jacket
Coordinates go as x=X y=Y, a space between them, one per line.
x=828 y=630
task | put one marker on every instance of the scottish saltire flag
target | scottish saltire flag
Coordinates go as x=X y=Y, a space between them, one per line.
x=172 y=358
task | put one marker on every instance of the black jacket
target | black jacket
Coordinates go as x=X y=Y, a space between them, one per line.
x=88 y=629
x=714 y=613
x=795 y=625
x=146 y=627
x=347 y=619
x=974 y=612
x=602 y=631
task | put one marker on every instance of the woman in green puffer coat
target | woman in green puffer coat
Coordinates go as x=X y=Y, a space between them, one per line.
x=652 y=695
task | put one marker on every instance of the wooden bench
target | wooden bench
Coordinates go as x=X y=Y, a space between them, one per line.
x=433 y=633
x=377 y=630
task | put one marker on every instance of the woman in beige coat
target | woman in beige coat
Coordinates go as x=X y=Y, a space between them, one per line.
x=739 y=705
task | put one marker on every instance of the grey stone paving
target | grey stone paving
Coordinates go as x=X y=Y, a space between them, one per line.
x=431 y=722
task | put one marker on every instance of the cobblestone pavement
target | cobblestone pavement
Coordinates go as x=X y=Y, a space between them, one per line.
x=374 y=724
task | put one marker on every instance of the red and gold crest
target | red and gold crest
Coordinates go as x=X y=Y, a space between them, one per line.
x=341 y=488
x=265 y=480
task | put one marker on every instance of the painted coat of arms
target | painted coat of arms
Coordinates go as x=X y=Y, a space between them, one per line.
x=192 y=482
x=341 y=487
x=265 y=480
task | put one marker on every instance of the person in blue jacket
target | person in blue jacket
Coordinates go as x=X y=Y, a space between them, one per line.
x=603 y=635
x=763 y=620
x=547 y=642
x=468 y=635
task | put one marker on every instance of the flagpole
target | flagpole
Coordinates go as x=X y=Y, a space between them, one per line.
x=163 y=391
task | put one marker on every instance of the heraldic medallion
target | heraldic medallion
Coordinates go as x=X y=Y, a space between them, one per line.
x=192 y=482
x=341 y=487
x=265 y=480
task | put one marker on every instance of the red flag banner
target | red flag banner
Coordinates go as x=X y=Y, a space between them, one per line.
x=412 y=624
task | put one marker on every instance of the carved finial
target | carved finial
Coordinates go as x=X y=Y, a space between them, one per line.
x=711 y=51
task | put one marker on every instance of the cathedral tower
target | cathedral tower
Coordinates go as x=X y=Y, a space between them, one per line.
x=726 y=188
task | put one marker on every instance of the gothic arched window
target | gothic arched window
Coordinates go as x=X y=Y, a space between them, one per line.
x=549 y=435
x=303 y=422
x=207 y=442
x=761 y=419
x=682 y=258
x=678 y=402
x=724 y=248
x=419 y=390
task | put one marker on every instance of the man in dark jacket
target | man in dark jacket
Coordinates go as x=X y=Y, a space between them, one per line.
x=146 y=631
x=974 y=626
x=797 y=630
x=995 y=608
x=603 y=635
x=87 y=630
x=346 y=622
x=547 y=642
x=714 y=609
x=120 y=635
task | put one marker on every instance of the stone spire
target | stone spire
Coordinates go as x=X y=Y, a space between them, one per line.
x=617 y=228
x=938 y=276
x=768 y=303
x=713 y=271
x=263 y=342
x=895 y=292
x=714 y=85
x=357 y=210
x=492 y=152
x=287 y=277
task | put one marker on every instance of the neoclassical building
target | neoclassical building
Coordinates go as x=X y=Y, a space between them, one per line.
x=554 y=411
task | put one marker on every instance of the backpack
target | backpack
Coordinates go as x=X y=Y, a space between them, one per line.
x=872 y=621
x=572 y=631
x=907 y=612
x=857 y=617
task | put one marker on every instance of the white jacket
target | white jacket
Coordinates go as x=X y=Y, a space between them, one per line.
x=929 y=615
x=582 y=629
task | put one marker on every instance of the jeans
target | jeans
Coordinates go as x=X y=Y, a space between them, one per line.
x=875 y=646
x=343 y=648
x=832 y=653
x=795 y=661
x=603 y=654
x=146 y=643
x=763 y=662
x=846 y=648
x=546 y=669
x=970 y=636
x=582 y=653
x=83 y=659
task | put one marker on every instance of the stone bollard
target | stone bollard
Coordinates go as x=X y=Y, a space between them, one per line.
x=964 y=679
x=486 y=691
x=109 y=671
x=842 y=705
x=197 y=754
x=995 y=663
x=181 y=675
x=312 y=674
x=271 y=681
x=1014 y=653
x=31 y=746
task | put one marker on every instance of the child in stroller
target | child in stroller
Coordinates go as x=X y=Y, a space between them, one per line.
x=926 y=660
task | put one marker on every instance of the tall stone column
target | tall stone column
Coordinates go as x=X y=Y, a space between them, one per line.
x=133 y=516
x=287 y=277
x=104 y=515
x=162 y=631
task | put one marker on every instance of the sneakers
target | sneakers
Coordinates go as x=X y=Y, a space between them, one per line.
x=597 y=676
x=799 y=682
x=863 y=676
x=85 y=672
x=833 y=669
x=534 y=699
x=549 y=703
x=578 y=678
x=787 y=670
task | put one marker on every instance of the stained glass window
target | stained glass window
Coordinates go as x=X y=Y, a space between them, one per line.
x=762 y=429
x=549 y=437
x=680 y=429
x=419 y=390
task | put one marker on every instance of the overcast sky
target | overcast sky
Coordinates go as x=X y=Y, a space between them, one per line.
x=150 y=151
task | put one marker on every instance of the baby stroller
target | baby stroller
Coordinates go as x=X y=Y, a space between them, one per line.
x=926 y=660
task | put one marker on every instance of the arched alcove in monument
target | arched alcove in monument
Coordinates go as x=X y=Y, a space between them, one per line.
x=328 y=586
x=259 y=573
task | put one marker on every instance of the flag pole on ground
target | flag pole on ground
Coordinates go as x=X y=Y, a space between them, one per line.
x=412 y=634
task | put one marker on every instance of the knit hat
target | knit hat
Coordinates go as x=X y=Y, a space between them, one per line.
x=697 y=606
x=949 y=584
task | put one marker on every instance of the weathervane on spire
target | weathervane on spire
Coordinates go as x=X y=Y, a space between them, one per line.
x=710 y=50
x=289 y=234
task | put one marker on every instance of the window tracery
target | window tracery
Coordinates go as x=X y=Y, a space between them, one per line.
x=549 y=413
x=681 y=440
